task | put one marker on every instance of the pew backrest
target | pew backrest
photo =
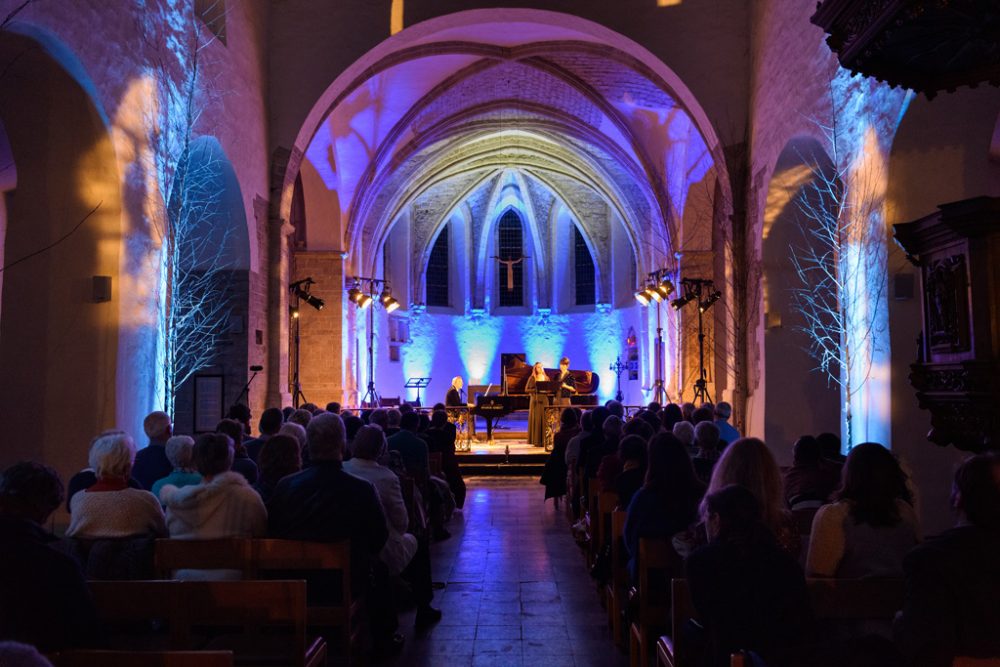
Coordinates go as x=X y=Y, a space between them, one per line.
x=97 y=658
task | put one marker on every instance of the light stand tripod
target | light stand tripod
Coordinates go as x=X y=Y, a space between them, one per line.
x=658 y=288
x=367 y=299
x=300 y=290
x=701 y=293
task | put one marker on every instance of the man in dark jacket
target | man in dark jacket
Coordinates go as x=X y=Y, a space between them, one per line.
x=325 y=504
x=151 y=463
x=44 y=600
x=952 y=581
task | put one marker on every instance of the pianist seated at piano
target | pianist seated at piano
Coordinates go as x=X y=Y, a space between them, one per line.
x=538 y=401
x=454 y=396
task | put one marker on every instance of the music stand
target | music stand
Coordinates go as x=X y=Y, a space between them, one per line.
x=548 y=387
x=418 y=384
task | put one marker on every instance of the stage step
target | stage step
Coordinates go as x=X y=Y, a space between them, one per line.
x=521 y=465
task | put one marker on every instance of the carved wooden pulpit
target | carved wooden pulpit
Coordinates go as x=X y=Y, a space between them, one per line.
x=957 y=373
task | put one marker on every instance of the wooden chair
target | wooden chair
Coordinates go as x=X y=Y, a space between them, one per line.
x=434 y=463
x=593 y=491
x=345 y=615
x=146 y=658
x=617 y=588
x=830 y=599
x=271 y=615
x=224 y=554
x=658 y=563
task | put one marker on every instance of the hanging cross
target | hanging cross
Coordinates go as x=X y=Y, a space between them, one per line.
x=510 y=264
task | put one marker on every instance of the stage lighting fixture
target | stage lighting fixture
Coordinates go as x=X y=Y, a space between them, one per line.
x=666 y=288
x=388 y=302
x=654 y=293
x=354 y=294
x=710 y=301
x=363 y=301
x=313 y=301
x=642 y=297
x=680 y=302
x=294 y=311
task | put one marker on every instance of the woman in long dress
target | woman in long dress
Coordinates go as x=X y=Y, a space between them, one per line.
x=536 y=408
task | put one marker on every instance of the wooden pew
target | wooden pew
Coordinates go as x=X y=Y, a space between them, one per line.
x=224 y=554
x=593 y=492
x=606 y=503
x=192 y=608
x=658 y=564
x=87 y=658
x=346 y=615
x=617 y=588
x=830 y=599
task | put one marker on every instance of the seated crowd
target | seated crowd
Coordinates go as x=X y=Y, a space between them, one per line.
x=749 y=533
x=311 y=474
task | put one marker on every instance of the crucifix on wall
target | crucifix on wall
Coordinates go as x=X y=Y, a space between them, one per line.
x=509 y=264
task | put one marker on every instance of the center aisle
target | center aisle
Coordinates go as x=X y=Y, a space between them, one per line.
x=518 y=591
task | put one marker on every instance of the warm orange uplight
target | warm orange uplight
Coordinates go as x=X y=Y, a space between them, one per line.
x=668 y=3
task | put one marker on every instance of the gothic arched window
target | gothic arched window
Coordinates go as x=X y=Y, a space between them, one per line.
x=510 y=247
x=437 y=271
x=585 y=276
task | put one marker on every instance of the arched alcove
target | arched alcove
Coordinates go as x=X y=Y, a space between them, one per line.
x=215 y=246
x=59 y=328
x=799 y=400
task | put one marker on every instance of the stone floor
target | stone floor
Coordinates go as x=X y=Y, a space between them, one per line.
x=517 y=588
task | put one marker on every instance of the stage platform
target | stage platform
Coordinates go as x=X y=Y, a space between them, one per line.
x=508 y=454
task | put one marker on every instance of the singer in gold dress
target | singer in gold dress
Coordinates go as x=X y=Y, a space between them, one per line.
x=536 y=407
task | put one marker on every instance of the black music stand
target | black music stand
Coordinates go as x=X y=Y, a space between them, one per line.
x=418 y=384
x=548 y=387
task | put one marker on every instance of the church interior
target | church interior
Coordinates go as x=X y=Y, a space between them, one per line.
x=787 y=207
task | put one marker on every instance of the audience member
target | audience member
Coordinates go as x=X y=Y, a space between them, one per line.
x=632 y=452
x=706 y=440
x=703 y=414
x=727 y=432
x=950 y=608
x=334 y=407
x=684 y=431
x=573 y=460
x=324 y=503
x=44 y=600
x=616 y=408
x=687 y=411
x=16 y=654
x=222 y=505
x=654 y=407
x=298 y=432
x=444 y=434
x=670 y=415
x=640 y=426
x=870 y=525
x=241 y=413
x=269 y=424
x=749 y=463
x=411 y=447
x=110 y=508
x=241 y=461
x=393 y=419
x=749 y=593
x=379 y=417
x=302 y=417
x=281 y=456
x=311 y=408
x=668 y=501
x=352 y=425
x=85 y=479
x=612 y=432
x=829 y=444
x=180 y=453
x=151 y=463
x=809 y=481
x=287 y=412
x=554 y=475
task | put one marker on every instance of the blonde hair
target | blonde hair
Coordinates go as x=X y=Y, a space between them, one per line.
x=749 y=463
x=112 y=454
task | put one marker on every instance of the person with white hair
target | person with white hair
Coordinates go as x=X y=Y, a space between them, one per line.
x=180 y=453
x=151 y=463
x=110 y=508
x=454 y=396
x=684 y=431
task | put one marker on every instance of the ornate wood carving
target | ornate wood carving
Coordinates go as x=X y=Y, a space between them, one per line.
x=957 y=373
x=925 y=45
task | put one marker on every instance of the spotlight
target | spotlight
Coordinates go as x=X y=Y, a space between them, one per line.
x=354 y=294
x=680 y=302
x=654 y=293
x=666 y=288
x=294 y=311
x=642 y=297
x=388 y=302
x=313 y=301
x=363 y=301
x=710 y=301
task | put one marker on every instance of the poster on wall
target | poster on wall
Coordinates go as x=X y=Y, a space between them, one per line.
x=208 y=402
x=632 y=355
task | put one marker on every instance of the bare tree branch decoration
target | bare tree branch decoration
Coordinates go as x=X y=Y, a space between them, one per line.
x=195 y=268
x=837 y=261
